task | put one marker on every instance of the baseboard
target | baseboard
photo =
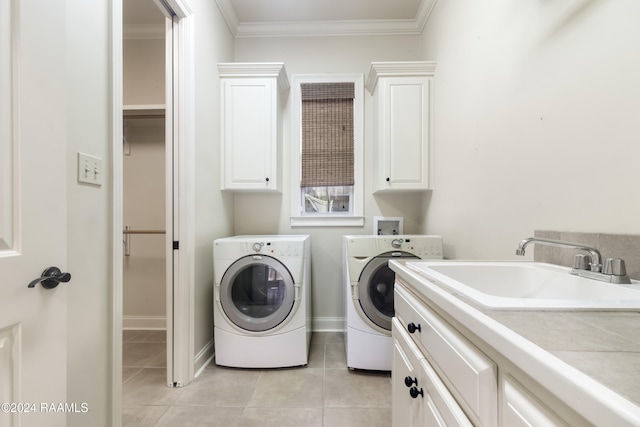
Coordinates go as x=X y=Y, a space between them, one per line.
x=203 y=358
x=144 y=322
x=328 y=324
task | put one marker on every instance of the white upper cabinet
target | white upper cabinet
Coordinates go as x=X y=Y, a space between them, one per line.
x=401 y=93
x=251 y=125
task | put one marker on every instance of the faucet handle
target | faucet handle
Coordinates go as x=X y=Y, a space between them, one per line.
x=581 y=261
x=614 y=267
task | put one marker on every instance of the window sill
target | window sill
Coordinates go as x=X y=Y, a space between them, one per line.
x=327 y=221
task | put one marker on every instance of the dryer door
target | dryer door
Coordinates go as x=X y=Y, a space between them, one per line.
x=257 y=293
x=375 y=288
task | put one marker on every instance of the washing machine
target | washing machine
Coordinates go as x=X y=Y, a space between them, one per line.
x=262 y=301
x=369 y=293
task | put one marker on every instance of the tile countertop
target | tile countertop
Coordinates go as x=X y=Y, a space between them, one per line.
x=604 y=346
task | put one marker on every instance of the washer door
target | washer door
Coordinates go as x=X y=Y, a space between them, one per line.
x=257 y=293
x=375 y=288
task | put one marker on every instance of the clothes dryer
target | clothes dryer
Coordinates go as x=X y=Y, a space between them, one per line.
x=262 y=301
x=368 y=290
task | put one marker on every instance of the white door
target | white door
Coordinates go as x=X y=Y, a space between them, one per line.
x=33 y=173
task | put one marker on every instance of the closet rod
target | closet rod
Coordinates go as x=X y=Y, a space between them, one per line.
x=143 y=232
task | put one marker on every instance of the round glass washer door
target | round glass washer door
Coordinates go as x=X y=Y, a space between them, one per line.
x=375 y=288
x=257 y=293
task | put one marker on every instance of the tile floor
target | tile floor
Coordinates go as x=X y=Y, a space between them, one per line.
x=322 y=394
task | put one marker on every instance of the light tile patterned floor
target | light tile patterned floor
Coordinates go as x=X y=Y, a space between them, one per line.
x=322 y=394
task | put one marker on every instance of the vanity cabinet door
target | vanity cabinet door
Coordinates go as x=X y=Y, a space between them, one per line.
x=468 y=373
x=521 y=409
x=407 y=410
x=420 y=398
x=441 y=409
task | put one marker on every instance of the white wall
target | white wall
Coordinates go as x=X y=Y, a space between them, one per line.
x=536 y=121
x=269 y=214
x=143 y=71
x=88 y=91
x=213 y=210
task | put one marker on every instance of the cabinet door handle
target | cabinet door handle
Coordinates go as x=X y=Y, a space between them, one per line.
x=412 y=327
x=414 y=392
x=408 y=381
x=388 y=179
x=267 y=179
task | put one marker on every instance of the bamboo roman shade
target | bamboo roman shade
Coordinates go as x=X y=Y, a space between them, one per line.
x=327 y=134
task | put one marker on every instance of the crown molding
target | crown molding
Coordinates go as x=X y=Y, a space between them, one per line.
x=390 y=27
x=229 y=14
x=256 y=69
x=424 y=13
x=326 y=28
x=398 y=69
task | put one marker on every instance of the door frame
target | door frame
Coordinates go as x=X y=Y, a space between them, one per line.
x=180 y=211
x=179 y=196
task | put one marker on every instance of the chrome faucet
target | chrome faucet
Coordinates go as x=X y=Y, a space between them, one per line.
x=614 y=268
x=595 y=264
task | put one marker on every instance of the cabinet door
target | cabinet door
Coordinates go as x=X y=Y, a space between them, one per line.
x=441 y=409
x=521 y=409
x=249 y=111
x=468 y=373
x=407 y=410
x=404 y=133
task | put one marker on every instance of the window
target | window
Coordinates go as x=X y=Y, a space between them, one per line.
x=327 y=150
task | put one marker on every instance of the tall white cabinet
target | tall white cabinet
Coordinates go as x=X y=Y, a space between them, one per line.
x=251 y=123
x=402 y=110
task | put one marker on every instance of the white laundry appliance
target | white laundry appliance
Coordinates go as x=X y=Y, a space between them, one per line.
x=369 y=293
x=262 y=301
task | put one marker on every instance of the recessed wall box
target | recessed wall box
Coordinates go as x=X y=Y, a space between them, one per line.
x=388 y=225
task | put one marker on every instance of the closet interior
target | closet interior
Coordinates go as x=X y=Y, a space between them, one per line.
x=144 y=264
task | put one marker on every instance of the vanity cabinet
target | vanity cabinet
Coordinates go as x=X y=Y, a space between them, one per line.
x=469 y=378
x=402 y=110
x=251 y=125
x=420 y=398
x=442 y=377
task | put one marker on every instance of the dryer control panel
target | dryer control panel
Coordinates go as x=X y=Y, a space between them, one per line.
x=275 y=248
x=422 y=246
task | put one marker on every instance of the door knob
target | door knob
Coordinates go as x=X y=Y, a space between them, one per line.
x=50 y=278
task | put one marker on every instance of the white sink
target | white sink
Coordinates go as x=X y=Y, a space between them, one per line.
x=527 y=285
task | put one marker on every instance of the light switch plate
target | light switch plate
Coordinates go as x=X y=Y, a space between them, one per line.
x=90 y=169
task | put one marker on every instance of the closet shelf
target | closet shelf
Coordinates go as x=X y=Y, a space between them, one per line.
x=144 y=111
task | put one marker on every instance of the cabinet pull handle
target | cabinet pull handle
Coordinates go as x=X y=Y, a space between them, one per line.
x=414 y=392
x=388 y=179
x=267 y=179
x=408 y=381
x=412 y=327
